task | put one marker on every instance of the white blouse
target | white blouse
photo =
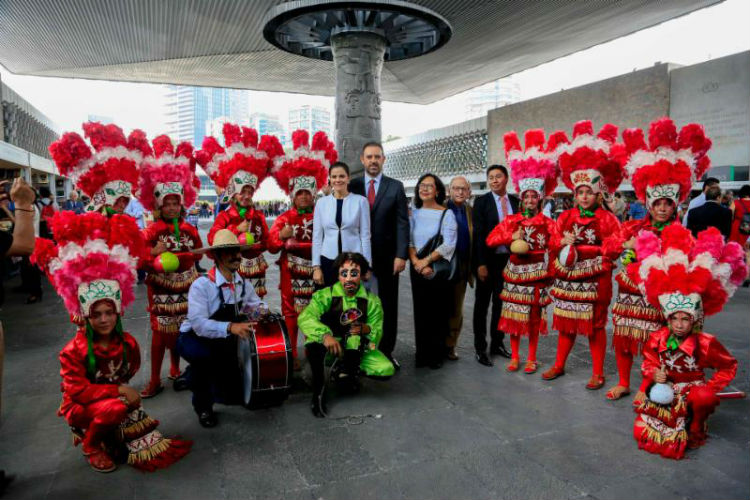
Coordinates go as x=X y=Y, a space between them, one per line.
x=423 y=225
x=355 y=228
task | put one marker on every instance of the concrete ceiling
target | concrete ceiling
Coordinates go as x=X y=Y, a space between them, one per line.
x=220 y=42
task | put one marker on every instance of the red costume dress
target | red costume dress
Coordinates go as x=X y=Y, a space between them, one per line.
x=663 y=170
x=253 y=264
x=295 y=266
x=168 y=291
x=668 y=430
x=693 y=278
x=526 y=277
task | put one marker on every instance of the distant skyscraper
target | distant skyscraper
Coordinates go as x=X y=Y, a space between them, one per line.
x=491 y=96
x=268 y=124
x=310 y=118
x=190 y=110
x=215 y=127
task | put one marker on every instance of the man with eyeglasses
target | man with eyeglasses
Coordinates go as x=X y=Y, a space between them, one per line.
x=345 y=322
x=458 y=203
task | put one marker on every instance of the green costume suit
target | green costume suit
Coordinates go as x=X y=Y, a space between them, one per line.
x=314 y=324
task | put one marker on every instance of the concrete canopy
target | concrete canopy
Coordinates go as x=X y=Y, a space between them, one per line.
x=220 y=43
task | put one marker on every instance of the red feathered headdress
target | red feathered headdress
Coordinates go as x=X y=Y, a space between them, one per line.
x=95 y=258
x=168 y=172
x=678 y=273
x=671 y=162
x=535 y=167
x=306 y=168
x=107 y=170
x=241 y=162
x=589 y=159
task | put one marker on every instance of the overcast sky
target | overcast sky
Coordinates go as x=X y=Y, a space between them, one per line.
x=706 y=34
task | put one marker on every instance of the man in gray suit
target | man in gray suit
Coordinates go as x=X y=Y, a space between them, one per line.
x=389 y=234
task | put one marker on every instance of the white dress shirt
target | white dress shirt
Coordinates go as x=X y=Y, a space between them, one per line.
x=501 y=215
x=203 y=301
x=367 y=180
x=355 y=228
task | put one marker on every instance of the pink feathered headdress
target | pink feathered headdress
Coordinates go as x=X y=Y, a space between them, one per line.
x=108 y=169
x=678 y=273
x=168 y=172
x=669 y=165
x=305 y=168
x=535 y=167
x=590 y=159
x=242 y=161
x=95 y=258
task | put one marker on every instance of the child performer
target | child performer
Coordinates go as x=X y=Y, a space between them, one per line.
x=93 y=269
x=688 y=280
x=528 y=234
x=167 y=188
x=239 y=168
x=588 y=236
x=662 y=174
x=301 y=175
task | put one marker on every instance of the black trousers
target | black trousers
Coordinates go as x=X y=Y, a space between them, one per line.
x=432 y=305
x=215 y=374
x=388 y=293
x=31 y=278
x=487 y=292
x=330 y=274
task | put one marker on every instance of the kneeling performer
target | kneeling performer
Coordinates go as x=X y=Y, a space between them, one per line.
x=208 y=337
x=344 y=320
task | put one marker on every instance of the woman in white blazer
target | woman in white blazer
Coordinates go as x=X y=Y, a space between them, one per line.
x=341 y=223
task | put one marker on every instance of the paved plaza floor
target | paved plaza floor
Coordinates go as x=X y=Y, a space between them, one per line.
x=465 y=431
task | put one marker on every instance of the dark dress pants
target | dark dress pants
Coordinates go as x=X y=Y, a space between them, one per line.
x=388 y=293
x=215 y=374
x=432 y=305
x=487 y=292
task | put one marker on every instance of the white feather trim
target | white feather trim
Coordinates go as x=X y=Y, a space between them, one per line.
x=643 y=157
x=120 y=153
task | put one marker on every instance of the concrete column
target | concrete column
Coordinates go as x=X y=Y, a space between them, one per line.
x=358 y=58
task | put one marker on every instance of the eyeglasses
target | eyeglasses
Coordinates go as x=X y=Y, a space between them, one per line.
x=426 y=187
x=345 y=273
x=459 y=188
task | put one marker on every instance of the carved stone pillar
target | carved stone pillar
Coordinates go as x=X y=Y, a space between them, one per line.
x=358 y=58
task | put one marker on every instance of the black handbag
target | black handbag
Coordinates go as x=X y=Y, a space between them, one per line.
x=441 y=269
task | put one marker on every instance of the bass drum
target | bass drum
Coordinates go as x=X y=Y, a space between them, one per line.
x=266 y=364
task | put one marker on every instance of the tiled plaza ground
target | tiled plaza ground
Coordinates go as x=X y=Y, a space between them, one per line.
x=465 y=431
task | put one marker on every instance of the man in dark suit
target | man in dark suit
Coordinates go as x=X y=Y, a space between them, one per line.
x=489 y=263
x=710 y=214
x=389 y=236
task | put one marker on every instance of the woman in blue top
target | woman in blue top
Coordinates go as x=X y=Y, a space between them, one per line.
x=432 y=300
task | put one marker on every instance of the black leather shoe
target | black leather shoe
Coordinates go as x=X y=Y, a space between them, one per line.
x=436 y=365
x=500 y=351
x=207 y=419
x=182 y=382
x=483 y=359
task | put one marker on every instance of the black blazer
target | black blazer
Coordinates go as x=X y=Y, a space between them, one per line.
x=485 y=219
x=389 y=222
x=710 y=214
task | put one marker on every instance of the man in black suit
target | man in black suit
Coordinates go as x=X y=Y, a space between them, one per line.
x=489 y=263
x=389 y=235
x=710 y=214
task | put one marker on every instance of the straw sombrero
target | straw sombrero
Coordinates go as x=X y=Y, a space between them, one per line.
x=223 y=239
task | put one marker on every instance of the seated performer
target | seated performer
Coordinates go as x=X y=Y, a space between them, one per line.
x=528 y=234
x=208 y=337
x=93 y=270
x=301 y=175
x=239 y=170
x=108 y=174
x=662 y=174
x=166 y=188
x=588 y=239
x=344 y=320
x=688 y=280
